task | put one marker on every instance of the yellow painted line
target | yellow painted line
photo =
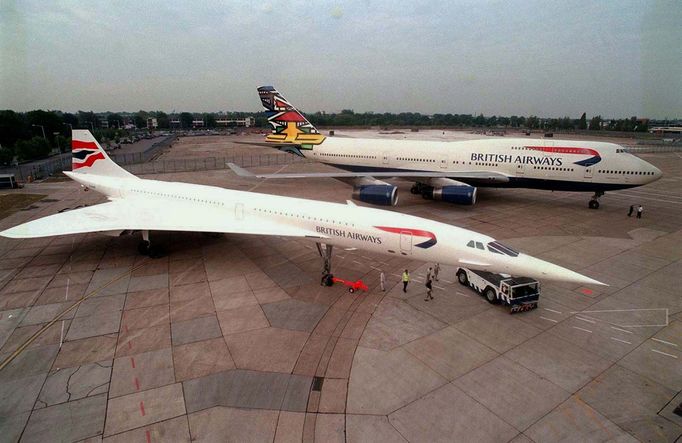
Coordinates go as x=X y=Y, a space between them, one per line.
x=31 y=339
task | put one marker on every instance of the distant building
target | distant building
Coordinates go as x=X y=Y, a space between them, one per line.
x=246 y=122
x=152 y=123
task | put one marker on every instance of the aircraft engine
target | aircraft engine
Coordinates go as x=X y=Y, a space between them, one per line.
x=460 y=195
x=378 y=193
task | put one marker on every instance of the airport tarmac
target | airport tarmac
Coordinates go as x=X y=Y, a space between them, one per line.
x=232 y=338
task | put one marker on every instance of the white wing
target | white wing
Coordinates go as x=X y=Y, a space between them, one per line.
x=489 y=176
x=155 y=216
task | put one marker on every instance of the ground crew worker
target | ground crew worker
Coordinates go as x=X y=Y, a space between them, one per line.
x=406 y=280
x=382 y=281
x=436 y=270
x=632 y=209
x=429 y=284
x=640 y=209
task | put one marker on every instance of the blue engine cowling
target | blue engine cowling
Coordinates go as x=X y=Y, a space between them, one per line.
x=460 y=195
x=386 y=195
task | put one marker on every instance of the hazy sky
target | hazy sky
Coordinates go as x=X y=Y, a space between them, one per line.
x=549 y=58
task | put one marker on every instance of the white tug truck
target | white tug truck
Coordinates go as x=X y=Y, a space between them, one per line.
x=519 y=293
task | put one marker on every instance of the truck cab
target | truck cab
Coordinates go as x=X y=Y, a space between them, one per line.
x=519 y=293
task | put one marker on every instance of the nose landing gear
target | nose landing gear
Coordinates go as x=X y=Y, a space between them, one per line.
x=325 y=251
x=145 y=247
x=594 y=201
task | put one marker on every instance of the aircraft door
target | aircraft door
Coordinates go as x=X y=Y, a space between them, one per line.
x=385 y=158
x=519 y=169
x=239 y=211
x=588 y=172
x=443 y=161
x=405 y=242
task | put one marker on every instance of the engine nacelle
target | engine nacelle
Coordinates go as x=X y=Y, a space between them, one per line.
x=376 y=194
x=460 y=195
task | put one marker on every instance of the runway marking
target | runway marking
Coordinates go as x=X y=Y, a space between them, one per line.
x=448 y=281
x=149 y=436
x=142 y=408
x=132 y=362
x=462 y=293
x=667 y=316
x=366 y=258
x=664 y=353
x=439 y=287
x=584 y=319
x=645 y=198
x=548 y=319
x=59 y=316
x=552 y=310
x=621 y=330
x=622 y=341
x=397 y=275
x=137 y=385
x=358 y=262
x=582 y=329
x=665 y=342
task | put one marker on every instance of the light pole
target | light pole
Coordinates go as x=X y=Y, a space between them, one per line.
x=43 y=128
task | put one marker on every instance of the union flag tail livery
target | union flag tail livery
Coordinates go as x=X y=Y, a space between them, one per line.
x=289 y=126
x=88 y=157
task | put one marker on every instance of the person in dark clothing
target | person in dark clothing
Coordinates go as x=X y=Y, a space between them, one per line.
x=640 y=209
x=632 y=209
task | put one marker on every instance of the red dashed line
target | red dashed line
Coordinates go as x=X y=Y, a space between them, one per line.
x=132 y=362
x=137 y=385
x=142 y=408
x=586 y=291
x=130 y=344
x=149 y=436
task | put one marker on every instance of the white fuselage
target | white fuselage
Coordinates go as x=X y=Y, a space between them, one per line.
x=529 y=163
x=350 y=226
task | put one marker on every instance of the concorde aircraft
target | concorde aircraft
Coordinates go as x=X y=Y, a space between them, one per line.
x=451 y=171
x=149 y=205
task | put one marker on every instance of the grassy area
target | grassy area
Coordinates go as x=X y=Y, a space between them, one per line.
x=11 y=203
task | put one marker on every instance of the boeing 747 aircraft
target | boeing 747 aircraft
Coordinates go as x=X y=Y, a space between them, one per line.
x=149 y=205
x=451 y=171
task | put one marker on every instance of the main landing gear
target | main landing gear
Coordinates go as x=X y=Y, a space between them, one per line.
x=325 y=251
x=594 y=201
x=145 y=247
x=425 y=191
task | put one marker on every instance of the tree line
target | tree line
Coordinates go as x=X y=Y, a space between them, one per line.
x=36 y=134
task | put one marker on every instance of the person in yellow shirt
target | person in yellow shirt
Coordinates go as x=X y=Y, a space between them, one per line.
x=406 y=280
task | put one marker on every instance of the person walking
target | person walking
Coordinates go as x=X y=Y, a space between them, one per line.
x=640 y=209
x=406 y=280
x=382 y=281
x=632 y=209
x=429 y=284
x=436 y=270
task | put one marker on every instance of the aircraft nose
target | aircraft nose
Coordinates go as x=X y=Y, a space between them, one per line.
x=657 y=173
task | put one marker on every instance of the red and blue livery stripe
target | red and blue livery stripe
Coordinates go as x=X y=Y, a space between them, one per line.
x=84 y=154
x=596 y=158
x=415 y=233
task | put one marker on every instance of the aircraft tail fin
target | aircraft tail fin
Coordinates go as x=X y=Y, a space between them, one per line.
x=88 y=157
x=289 y=126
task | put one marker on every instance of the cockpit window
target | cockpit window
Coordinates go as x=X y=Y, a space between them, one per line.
x=470 y=244
x=499 y=248
x=479 y=245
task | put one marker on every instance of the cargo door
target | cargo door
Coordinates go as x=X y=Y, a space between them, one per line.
x=385 y=159
x=443 y=161
x=588 y=172
x=239 y=211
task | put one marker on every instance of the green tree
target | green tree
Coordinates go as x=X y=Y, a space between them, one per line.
x=32 y=149
x=186 y=120
x=6 y=156
x=595 y=123
x=582 y=123
x=210 y=120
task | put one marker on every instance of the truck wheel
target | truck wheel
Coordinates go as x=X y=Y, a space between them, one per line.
x=462 y=278
x=491 y=296
x=351 y=290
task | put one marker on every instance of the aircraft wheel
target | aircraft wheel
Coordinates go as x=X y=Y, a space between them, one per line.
x=144 y=247
x=491 y=296
x=594 y=204
x=156 y=252
x=414 y=189
x=462 y=278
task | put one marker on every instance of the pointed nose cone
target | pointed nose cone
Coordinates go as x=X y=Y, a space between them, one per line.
x=657 y=173
x=544 y=270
